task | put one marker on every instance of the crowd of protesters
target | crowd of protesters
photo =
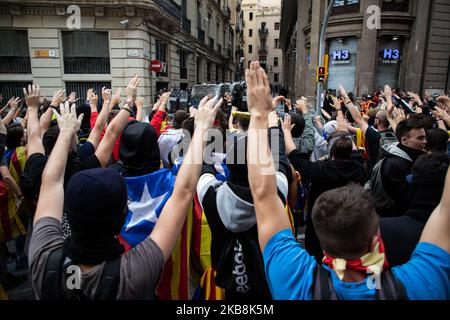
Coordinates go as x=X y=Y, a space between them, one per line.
x=369 y=181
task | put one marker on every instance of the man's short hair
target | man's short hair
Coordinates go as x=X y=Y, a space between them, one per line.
x=382 y=117
x=341 y=146
x=437 y=140
x=406 y=126
x=299 y=127
x=345 y=221
x=178 y=118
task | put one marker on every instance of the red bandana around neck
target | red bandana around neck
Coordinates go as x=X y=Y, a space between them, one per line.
x=373 y=262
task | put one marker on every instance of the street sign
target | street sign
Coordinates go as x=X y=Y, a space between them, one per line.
x=156 y=66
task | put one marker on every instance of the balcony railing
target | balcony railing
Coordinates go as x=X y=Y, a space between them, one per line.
x=186 y=25
x=263 y=33
x=170 y=7
x=262 y=50
x=79 y=65
x=15 y=65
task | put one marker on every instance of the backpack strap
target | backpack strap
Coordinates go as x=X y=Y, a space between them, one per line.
x=51 y=283
x=391 y=288
x=323 y=286
x=109 y=281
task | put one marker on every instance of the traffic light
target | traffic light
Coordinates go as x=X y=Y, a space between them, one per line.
x=321 y=74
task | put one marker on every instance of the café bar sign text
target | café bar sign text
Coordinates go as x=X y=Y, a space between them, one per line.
x=391 y=56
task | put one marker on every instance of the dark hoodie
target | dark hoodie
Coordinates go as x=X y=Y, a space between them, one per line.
x=398 y=160
x=230 y=212
x=324 y=176
x=402 y=234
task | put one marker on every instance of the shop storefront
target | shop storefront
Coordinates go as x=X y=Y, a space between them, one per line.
x=342 y=63
x=389 y=61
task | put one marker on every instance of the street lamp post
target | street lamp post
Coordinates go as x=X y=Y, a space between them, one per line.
x=321 y=53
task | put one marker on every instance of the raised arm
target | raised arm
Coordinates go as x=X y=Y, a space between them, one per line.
x=13 y=105
x=270 y=215
x=308 y=132
x=356 y=115
x=95 y=135
x=115 y=128
x=140 y=101
x=172 y=218
x=33 y=125
x=437 y=229
x=51 y=196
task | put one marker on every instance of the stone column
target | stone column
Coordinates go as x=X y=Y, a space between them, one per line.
x=416 y=56
x=367 y=52
x=318 y=10
x=301 y=67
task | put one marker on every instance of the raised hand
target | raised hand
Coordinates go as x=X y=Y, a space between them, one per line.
x=301 y=105
x=93 y=101
x=258 y=90
x=287 y=125
x=344 y=93
x=58 y=98
x=341 y=124
x=277 y=100
x=32 y=96
x=131 y=90
x=441 y=114
x=67 y=120
x=106 y=94
x=207 y=111
x=72 y=97
x=140 y=101
x=192 y=112
x=14 y=104
x=115 y=100
x=89 y=93
x=336 y=104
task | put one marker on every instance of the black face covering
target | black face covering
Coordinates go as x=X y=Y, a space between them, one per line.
x=96 y=204
x=139 y=149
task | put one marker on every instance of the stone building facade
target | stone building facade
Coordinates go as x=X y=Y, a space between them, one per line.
x=196 y=40
x=410 y=48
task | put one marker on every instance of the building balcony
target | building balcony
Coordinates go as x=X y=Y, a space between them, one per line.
x=186 y=25
x=170 y=7
x=263 y=33
x=262 y=50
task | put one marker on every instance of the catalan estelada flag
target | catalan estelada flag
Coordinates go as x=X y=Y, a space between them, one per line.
x=10 y=224
x=3 y=295
x=174 y=281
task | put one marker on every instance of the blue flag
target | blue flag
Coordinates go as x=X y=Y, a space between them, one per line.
x=147 y=196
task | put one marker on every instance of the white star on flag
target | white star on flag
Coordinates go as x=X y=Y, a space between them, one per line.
x=145 y=209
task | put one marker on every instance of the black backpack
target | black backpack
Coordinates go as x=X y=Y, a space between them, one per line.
x=55 y=273
x=240 y=270
x=390 y=287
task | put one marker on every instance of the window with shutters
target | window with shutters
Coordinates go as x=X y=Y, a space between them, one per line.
x=161 y=55
x=86 y=52
x=14 y=52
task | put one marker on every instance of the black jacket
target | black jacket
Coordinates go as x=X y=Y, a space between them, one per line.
x=402 y=234
x=325 y=176
x=397 y=164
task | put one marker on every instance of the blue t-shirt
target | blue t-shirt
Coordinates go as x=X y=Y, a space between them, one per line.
x=290 y=273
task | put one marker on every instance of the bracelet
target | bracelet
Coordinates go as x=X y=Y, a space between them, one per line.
x=126 y=109
x=53 y=107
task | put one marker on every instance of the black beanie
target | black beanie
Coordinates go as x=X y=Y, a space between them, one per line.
x=139 y=149
x=96 y=204
x=237 y=154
